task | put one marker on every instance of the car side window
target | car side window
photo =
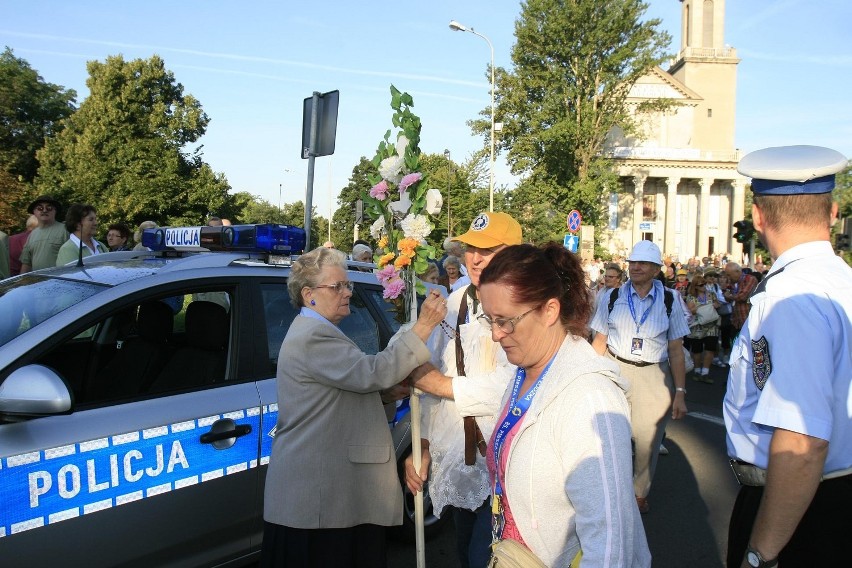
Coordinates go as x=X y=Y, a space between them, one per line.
x=359 y=326
x=157 y=346
x=279 y=314
x=387 y=309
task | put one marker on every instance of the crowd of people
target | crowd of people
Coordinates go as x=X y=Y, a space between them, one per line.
x=48 y=241
x=549 y=385
x=548 y=395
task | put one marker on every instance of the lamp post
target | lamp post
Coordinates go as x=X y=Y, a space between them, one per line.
x=449 y=172
x=457 y=27
x=280 y=185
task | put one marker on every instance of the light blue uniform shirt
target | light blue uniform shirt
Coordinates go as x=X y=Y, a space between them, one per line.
x=656 y=331
x=791 y=366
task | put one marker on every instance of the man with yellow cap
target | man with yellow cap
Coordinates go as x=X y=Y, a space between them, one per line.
x=787 y=406
x=465 y=352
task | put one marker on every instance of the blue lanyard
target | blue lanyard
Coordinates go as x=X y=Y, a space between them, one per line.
x=517 y=408
x=633 y=308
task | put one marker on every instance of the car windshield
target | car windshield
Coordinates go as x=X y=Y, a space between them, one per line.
x=26 y=302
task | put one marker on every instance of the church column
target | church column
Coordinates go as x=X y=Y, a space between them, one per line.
x=703 y=217
x=737 y=212
x=638 y=194
x=671 y=215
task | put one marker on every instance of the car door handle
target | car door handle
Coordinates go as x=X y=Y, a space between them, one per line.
x=216 y=435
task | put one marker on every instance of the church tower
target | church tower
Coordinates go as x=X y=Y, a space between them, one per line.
x=709 y=67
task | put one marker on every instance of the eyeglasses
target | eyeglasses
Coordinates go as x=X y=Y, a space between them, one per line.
x=338 y=286
x=506 y=325
x=41 y=208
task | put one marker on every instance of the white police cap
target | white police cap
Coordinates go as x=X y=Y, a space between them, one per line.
x=791 y=170
x=646 y=251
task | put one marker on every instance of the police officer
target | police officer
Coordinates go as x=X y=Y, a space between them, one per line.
x=643 y=331
x=789 y=430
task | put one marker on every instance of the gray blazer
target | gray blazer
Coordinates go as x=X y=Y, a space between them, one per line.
x=333 y=462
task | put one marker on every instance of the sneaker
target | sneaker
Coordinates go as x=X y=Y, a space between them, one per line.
x=719 y=363
x=664 y=451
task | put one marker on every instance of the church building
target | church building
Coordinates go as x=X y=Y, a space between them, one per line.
x=678 y=181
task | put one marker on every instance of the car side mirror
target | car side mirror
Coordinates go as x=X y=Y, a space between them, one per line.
x=34 y=390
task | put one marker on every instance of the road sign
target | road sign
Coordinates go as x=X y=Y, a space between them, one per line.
x=571 y=242
x=574 y=221
x=325 y=126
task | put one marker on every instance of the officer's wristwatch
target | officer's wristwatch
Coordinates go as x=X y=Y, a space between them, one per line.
x=755 y=560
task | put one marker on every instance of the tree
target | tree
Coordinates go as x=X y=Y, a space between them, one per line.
x=574 y=62
x=343 y=220
x=465 y=202
x=843 y=196
x=123 y=150
x=456 y=183
x=31 y=110
x=843 y=192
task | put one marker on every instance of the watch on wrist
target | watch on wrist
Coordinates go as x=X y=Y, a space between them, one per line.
x=680 y=389
x=755 y=560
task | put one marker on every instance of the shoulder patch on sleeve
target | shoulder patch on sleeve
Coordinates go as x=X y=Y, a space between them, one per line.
x=761 y=365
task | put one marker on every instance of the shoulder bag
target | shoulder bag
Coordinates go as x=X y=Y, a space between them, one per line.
x=706 y=314
x=508 y=553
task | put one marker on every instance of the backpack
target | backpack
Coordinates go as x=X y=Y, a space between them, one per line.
x=668 y=300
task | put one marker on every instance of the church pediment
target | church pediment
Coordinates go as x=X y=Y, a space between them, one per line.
x=657 y=84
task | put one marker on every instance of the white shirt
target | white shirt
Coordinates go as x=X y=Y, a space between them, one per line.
x=791 y=366
x=655 y=332
x=76 y=240
x=480 y=391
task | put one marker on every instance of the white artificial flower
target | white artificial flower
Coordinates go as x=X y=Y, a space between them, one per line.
x=377 y=227
x=416 y=227
x=401 y=207
x=401 y=145
x=390 y=169
x=434 y=201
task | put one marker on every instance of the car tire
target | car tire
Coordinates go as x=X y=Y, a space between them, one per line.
x=431 y=524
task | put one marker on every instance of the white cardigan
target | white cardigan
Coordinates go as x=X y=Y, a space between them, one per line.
x=569 y=474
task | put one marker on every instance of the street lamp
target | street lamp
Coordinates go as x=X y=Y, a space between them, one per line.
x=457 y=27
x=280 y=214
x=449 y=172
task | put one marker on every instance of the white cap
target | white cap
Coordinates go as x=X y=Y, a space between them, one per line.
x=646 y=251
x=790 y=170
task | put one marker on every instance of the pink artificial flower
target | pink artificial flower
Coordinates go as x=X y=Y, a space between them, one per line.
x=409 y=180
x=393 y=289
x=386 y=274
x=380 y=191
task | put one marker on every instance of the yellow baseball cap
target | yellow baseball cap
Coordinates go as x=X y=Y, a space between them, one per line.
x=490 y=230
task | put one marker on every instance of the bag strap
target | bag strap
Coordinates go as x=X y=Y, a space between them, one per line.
x=668 y=299
x=473 y=437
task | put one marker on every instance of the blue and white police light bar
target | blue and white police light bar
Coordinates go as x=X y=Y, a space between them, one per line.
x=269 y=238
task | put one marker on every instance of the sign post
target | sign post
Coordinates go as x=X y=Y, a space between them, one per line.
x=319 y=131
x=574 y=221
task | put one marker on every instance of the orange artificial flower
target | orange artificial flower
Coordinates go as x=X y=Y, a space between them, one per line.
x=408 y=247
x=385 y=259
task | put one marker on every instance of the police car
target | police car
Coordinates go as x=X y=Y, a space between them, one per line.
x=138 y=401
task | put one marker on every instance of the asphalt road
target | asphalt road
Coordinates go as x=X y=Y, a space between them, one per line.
x=691 y=498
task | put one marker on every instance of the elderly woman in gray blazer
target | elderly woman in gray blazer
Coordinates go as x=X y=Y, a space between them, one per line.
x=332 y=484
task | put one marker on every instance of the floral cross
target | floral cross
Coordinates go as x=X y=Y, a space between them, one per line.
x=400 y=206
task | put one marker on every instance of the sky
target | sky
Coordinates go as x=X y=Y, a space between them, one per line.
x=251 y=63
